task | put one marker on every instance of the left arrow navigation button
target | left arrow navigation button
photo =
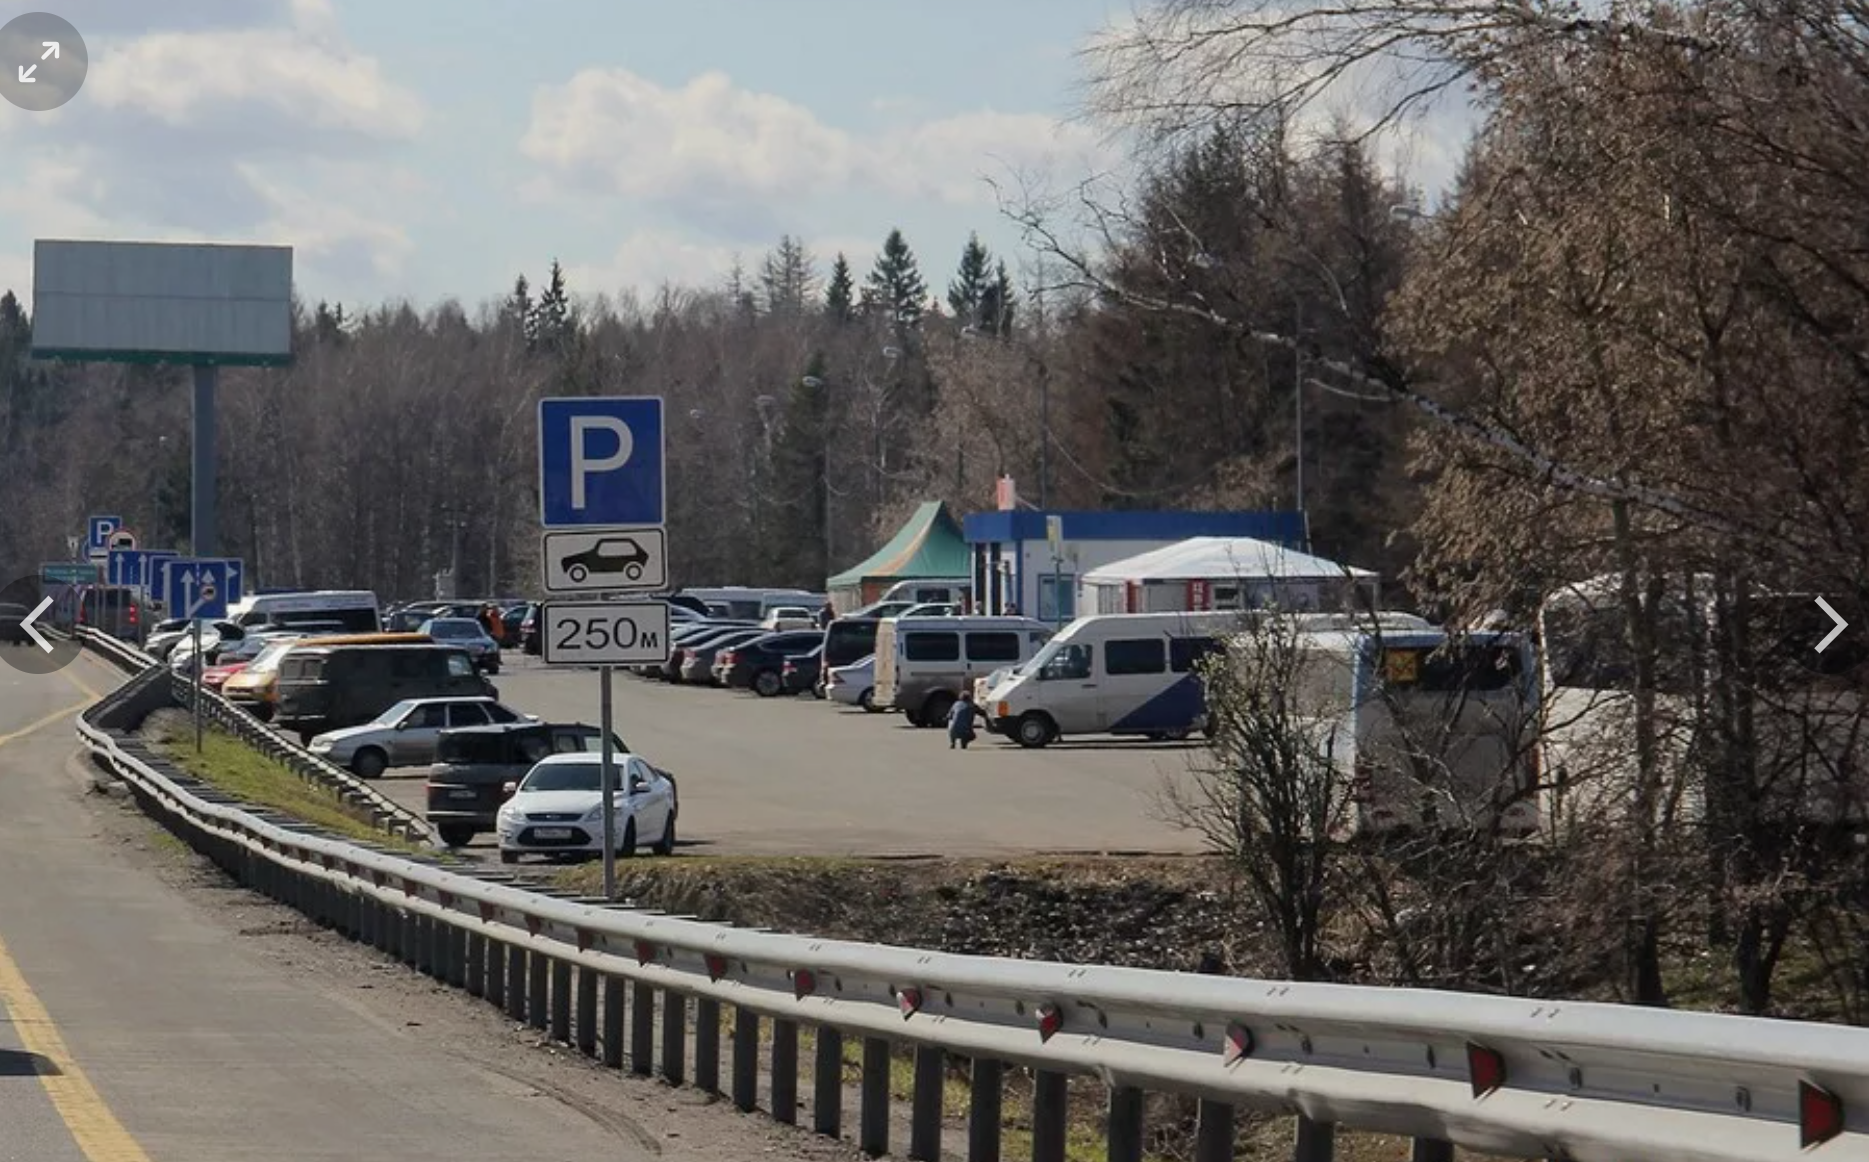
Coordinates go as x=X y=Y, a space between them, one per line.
x=32 y=631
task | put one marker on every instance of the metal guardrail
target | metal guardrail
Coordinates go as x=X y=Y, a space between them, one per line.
x=1505 y=1076
x=386 y=815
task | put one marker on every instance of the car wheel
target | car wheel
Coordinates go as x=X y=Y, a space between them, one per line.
x=1035 y=730
x=577 y=573
x=369 y=763
x=456 y=834
x=633 y=571
x=666 y=844
x=767 y=684
x=867 y=700
x=934 y=711
x=508 y=856
x=626 y=843
x=493 y=667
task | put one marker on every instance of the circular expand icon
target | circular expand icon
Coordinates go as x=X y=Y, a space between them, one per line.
x=42 y=61
x=24 y=613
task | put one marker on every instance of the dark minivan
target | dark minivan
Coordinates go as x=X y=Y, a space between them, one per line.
x=474 y=765
x=324 y=688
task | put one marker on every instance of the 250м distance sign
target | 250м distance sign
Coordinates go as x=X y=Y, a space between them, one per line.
x=605 y=633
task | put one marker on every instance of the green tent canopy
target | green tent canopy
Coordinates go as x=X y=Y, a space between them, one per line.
x=930 y=545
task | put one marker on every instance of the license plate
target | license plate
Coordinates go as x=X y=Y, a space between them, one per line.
x=461 y=793
x=553 y=832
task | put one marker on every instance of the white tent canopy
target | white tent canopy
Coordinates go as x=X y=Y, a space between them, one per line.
x=1217 y=558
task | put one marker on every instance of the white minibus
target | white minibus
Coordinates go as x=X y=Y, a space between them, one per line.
x=1128 y=673
x=923 y=663
x=355 y=610
x=1424 y=729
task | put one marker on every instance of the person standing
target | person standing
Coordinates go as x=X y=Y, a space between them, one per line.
x=960 y=721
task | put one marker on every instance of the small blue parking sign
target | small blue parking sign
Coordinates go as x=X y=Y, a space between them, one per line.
x=601 y=461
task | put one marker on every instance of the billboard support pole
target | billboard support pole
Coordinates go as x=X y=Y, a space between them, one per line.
x=201 y=516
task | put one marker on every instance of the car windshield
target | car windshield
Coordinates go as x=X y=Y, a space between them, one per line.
x=453 y=627
x=394 y=714
x=565 y=777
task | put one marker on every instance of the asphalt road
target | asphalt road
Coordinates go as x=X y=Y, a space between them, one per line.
x=154 y=1012
x=794 y=776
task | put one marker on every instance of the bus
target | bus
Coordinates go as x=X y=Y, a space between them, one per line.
x=1423 y=729
x=1804 y=753
x=356 y=610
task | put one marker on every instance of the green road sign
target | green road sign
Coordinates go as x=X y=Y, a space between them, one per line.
x=68 y=573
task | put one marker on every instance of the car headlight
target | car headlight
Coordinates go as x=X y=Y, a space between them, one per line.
x=321 y=742
x=595 y=814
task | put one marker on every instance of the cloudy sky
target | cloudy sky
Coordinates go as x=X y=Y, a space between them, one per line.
x=427 y=150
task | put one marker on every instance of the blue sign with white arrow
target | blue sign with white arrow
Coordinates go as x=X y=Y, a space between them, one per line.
x=124 y=567
x=601 y=462
x=188 y=580
x=152 y=566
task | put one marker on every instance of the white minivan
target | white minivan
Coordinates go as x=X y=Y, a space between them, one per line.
x=1128 y=673
x=923 y=663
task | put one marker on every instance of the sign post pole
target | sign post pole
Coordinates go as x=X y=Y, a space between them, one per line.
x=197 y=679
x=607 y=713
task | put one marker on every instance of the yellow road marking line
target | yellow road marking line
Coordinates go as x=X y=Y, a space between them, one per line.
x=93 y=1127
x=48 y=720
x=83 y=686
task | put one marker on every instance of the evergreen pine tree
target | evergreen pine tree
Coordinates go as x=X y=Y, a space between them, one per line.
x=801 y=470
x=840 y=293
x=787 y=280
x=517 y=309
x=997 y=302
x=895 y=291
x=740 y=291
x=969 y=288
x=553 y=326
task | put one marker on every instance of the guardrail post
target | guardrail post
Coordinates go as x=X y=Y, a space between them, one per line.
x=561 y=1001
x=1213 y=1134
x=1123 y=1134
x=925 y=1104
x=642 y=1029
x=1050 y=1094
x=423 y=939
x=985 y=1101
x=613 y=1022
x=515 y=982
x=475 y=980
x=674 y=1036
x=382 y=926
x=587 y=1011
x=785 y=1071
x=359 y=906
x=457 y=956
x=538 y=986
x=1317 y=1141
x=1431 y=1150
x=412 y=941
x=496 y=973
x=827 y=1083
x=707 y=1045
x=873 y=1102
x=745 y=1059
x=440 y=943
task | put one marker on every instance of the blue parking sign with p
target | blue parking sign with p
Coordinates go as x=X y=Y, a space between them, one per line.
x=98 y=530
x=601 y=461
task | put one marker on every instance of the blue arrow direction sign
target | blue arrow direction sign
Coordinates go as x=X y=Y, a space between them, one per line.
x=601 y=462
x=97 y=534
x=152 y=571
x=125 y=567
x=187 y=579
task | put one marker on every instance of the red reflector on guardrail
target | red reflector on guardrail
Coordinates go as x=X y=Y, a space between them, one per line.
x=1487 y=1068
x=804 y=983
x=645 y=952
x=1050 y=1020
x=1820 y=1115
x=910 y=1000
x=1239 y=1044
x=716 y=966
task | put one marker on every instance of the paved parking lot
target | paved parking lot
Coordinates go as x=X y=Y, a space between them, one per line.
x=795 y=776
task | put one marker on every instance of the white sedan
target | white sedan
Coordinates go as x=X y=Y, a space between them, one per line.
x=557 y=809
x=855 y=684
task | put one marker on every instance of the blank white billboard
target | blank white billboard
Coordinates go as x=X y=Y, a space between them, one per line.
x=162 y=302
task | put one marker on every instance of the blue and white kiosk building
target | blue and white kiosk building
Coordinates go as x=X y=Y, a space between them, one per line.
x=1032 y=562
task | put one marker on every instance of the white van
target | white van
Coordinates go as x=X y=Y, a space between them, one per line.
x=356 y=610
x=1424 y=729
x=1129 y=673
x=923 y=663
x=744 y=603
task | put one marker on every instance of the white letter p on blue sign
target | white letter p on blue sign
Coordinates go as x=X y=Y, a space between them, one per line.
x=583 y=464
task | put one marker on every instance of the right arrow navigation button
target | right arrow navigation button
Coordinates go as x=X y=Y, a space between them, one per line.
x=1840 y=626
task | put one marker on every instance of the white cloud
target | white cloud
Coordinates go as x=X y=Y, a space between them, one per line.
x=331 y=232
x=713 y=153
